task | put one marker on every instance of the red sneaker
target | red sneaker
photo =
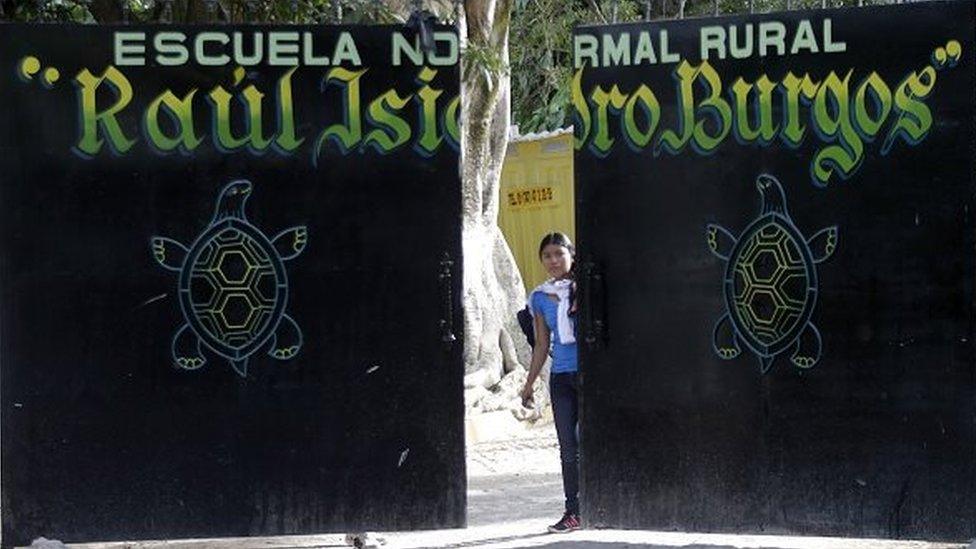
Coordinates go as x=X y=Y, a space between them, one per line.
x=568 y=523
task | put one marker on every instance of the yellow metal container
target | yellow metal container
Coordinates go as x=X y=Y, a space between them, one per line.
x=536 y=197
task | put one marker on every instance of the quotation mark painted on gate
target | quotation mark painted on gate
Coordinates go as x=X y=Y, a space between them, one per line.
x=947 y=56
x=30 y=66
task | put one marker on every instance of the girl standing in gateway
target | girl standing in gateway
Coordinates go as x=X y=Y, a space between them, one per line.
x=553 y=307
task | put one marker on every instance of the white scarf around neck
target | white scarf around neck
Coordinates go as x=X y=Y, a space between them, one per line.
x=561 y=289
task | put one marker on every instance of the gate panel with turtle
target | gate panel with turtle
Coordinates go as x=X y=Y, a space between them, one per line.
x=770 y=283
x=777 y=244
x=229 y=298
x=232 y=286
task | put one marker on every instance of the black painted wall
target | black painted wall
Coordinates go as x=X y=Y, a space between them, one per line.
x=103 y=439
x=879 y=438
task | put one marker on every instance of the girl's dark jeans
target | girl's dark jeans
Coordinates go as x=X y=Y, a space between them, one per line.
x=564 y=393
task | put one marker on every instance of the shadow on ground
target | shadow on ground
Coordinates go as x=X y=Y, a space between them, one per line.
x=580 y=544
x=577 y=544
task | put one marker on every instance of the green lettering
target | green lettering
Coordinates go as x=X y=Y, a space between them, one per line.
x=605 y=102
x=847 y=154
x=287 y=140
x=914 y=117
x=581 y=111
x=691 y=128
x=381 y=112
x=796 y=88
x=427 y=97
x=346 y=135
x=645 y=99
x=881 y=96
x=180 y=113
x=762 y=91
x=253 y=136
x=451 y=127
x=92 y=119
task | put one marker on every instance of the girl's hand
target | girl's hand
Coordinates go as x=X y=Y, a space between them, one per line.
x=526 y=394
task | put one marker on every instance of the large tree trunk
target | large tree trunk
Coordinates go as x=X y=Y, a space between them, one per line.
x=493 y=292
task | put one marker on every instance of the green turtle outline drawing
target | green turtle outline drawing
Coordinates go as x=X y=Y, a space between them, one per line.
x=770 y=284
x=233 y=287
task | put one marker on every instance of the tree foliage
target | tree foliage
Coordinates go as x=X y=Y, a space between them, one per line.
x=230 y=11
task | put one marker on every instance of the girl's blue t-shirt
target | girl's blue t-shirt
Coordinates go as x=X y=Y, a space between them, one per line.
x=564 y=357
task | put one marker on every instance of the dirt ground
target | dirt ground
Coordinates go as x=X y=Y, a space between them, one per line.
x=516 y=478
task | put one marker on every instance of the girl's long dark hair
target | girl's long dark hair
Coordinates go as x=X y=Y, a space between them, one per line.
x=560 y=239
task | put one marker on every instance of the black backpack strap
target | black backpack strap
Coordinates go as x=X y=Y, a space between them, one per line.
x=526 y=323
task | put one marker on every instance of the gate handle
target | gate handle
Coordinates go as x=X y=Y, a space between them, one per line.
x=447 y=317
x=594 y=305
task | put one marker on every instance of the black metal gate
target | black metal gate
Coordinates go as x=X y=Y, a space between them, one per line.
x=186 y=354
x=778 y=250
